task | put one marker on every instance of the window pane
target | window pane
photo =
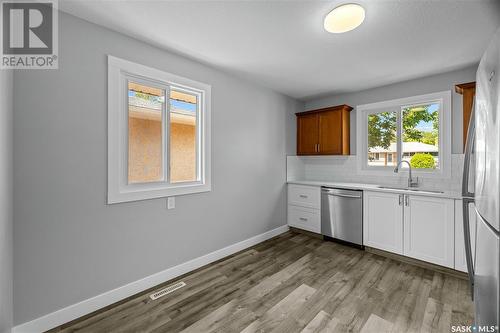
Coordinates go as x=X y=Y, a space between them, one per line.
x=183 y=147
x=421 y=136
x=382 y=147
x=145 y=148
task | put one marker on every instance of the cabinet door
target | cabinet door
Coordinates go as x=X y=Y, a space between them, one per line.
x=383 y=221
x=429 y=229
x=460 y=260
x=307 y=134
x=330 y=132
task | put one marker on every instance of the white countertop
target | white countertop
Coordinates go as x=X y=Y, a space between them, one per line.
x=376 y=187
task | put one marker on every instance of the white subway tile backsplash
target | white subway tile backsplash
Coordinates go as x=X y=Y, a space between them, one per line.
x=344 y=169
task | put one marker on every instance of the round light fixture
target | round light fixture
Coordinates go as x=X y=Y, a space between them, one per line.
x=344 y=18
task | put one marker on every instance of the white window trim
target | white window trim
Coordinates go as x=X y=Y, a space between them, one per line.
x=118 y=188
x=442 y=97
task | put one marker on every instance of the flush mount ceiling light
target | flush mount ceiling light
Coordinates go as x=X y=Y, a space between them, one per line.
x=344 y=18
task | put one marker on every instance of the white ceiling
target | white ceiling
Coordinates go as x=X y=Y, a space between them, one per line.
x=282 y=44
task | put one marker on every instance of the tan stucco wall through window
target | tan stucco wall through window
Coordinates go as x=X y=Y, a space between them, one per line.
x=145 y=151
x=182 y=152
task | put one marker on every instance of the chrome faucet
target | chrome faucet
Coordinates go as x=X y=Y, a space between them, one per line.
x=412 y=182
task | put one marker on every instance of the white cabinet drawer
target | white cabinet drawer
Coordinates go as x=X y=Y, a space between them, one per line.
x=304 y=218
x=305 y=196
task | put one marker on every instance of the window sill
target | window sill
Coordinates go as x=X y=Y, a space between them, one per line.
x=127 y=194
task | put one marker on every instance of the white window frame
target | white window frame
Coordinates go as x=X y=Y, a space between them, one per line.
x=119 y=190
x=395 y=105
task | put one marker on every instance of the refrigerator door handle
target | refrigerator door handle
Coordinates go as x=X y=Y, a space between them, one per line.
x=467 y=242
x=469 y=146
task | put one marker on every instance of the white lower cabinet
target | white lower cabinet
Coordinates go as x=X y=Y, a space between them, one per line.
x=304 y=207
x=411 y=225
x=429 y=229
x=382 y=216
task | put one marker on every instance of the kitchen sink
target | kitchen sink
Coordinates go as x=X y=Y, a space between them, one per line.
x=409 y=189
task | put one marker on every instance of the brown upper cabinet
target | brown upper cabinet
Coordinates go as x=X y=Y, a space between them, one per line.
x=468 y=91
x=324 y=131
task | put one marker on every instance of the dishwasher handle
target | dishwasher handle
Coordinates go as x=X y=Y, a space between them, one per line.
x=338 y=194
x=345 y=195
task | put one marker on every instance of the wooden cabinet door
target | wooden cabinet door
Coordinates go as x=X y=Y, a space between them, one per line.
x=468 y=90
x=383 y=221
x=429 y=229
x=307 y=134
x=330 y=132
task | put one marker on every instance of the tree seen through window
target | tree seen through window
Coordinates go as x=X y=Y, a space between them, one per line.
x=419 y=136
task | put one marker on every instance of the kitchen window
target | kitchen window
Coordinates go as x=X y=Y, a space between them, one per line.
x=414 y=129
x=158 y=133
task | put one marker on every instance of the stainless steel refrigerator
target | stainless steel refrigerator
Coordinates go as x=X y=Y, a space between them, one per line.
x=481 y=189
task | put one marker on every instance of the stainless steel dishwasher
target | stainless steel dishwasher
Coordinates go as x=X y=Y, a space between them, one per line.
x=342 y=215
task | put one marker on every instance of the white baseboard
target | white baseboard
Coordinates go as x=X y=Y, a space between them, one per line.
x=87 y=306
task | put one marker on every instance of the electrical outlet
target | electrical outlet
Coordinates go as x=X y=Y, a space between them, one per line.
x=170 y=202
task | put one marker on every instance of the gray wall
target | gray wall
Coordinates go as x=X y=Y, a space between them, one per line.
x=68 y=244
x=6 y=204
x=415 y=87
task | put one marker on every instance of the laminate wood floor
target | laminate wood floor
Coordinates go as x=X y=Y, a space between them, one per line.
x=296 y=283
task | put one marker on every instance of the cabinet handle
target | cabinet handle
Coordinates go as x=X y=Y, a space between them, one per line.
x=303 y=196
x=318 y=147
x=407 y=200
x=302 y=219
x=400 y=199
